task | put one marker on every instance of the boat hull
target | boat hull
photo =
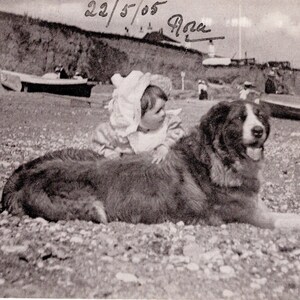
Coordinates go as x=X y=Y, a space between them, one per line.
x=78 y=90
x=29 y=83
x=216 y=61
x=283 y=106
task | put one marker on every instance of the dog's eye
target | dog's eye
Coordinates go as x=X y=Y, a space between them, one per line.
x=241 y=118
x=260 y=116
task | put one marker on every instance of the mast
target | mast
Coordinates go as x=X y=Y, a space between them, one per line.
x=240 y=30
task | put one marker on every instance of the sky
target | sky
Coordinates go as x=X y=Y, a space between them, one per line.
x=269 y=29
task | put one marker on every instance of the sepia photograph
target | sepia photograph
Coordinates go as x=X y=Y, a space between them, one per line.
x=150 y=149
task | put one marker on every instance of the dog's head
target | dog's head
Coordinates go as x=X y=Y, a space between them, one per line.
x=236 y=129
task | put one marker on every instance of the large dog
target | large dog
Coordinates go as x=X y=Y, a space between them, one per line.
x=211 y=175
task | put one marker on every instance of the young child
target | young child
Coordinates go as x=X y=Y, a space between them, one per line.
x=138 y=121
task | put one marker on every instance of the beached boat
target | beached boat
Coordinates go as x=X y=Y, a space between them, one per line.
x=283 y=106
x=216 y=61
x=46 y=84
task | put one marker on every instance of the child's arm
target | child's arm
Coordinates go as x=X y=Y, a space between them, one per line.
x=103 y=141
x=174 y=133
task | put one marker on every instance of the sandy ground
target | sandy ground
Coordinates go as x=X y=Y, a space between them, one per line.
x=118 y=260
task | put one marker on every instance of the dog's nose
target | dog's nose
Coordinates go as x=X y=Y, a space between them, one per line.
x=257 y=131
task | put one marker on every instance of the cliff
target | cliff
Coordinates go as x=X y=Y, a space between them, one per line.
x=34 y=46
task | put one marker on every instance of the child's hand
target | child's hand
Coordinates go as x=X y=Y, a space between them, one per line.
x=113 y=155
x=160 y=154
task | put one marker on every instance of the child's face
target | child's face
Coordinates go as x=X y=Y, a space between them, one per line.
x=154 y=117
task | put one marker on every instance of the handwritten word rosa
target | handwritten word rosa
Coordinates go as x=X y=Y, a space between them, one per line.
x=176 y=22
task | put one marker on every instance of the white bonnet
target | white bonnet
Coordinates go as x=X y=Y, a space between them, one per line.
x=125 y=106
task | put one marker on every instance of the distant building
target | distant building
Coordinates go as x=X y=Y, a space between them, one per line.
x=278 y=64
x=159 y=37
x=243 y=62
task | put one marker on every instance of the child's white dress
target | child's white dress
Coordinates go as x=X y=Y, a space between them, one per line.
x=120 y=135
x=106 y=142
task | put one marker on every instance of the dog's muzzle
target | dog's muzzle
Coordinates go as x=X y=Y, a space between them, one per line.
x=257 y=131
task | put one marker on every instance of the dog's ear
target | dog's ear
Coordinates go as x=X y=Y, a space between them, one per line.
x=266 y=108
x=211 y=121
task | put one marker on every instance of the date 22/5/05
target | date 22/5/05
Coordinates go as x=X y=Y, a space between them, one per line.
x=92 y=12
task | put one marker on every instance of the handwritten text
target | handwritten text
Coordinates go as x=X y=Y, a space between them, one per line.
x=103 y=10
x=176 y=23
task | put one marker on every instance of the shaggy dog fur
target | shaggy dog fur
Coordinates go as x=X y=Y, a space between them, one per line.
x=210 y=176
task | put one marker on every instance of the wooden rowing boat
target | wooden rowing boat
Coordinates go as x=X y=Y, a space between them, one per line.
x=283 y=106
x=216 y=61
x=22 y=82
